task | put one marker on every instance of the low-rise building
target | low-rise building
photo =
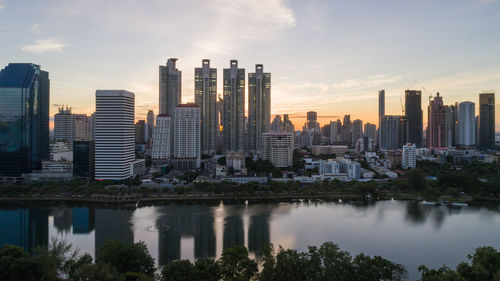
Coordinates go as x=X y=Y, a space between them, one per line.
x=236 y=160
x=409 y=156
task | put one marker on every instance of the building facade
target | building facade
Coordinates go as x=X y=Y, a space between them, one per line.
x=409 y=156
x=487 y=120
x=436 y=133
x=278 y=148
x=233 y=118
x=187 y=151
x=161 y=138
x=114 y=134
x=205 y=96
x=381 y=110
x=467 y=123
x=370 y=131
x=259 y=107
x=357 y=130
x=83 y=159
x=63 y=125
x=24 y=118
x=413 y=113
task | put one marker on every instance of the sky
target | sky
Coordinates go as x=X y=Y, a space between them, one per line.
x=327 y=56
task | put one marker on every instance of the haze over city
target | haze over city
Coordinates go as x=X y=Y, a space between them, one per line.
x=327 y=56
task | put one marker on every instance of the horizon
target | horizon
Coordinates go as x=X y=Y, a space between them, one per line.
x=328 y=57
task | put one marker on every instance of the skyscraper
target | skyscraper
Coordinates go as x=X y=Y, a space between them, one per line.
x=335 y=132
x=409 y=157
x=63 y=125
x=233 y=122
x=187 y=150
x=170 y=87
x=466 y=123
x=357 y=130
x=347 y=131
x=450 y=124
x=413 y=111
x=24 y=118
x=370 y=131
x=277 y=124
x=381 y=109
x=81 y=127
x=161 y=138
x=114 y=134
x=436 y=133
x=259 y=107
x=205 y=96
x=486 y=120
x=392 y=132
x=140 y=132
x=150 y=125
x=287 y=125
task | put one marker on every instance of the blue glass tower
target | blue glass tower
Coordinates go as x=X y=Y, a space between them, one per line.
x=24 y=118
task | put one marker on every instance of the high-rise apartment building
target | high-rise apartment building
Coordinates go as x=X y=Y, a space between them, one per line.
x=436 y=134
x=486 y=120
x=336 y=132
x=450 y=124
x=81 y=127
x=24 y=118
x=287 y=125
x=233 y=118
x=150 y=126
x=393 y=132
x=413 y=112
x=161 y=138
x=467 y=123
x=381 y=110
x=347 y=131
x=205 y=96
x=63 y=125
x=187 y=151
x=277 y=147
x=357 y=130
x=370 y=131
x=114 y=134
x=170 y=87
x=277 y=124
x=312 y=121
x=140 y=132
x=259 y=107
x=409 y=156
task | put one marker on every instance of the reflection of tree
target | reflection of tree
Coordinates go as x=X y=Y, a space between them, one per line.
x=438 y=216
x=258 y=233
x=63 y=219
x=185 y=220
x=416 y=213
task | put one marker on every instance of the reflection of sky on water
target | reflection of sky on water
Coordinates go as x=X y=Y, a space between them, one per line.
x=406 y=232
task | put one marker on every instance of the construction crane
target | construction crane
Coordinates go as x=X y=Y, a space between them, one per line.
x=430 y=95
x=402 y=107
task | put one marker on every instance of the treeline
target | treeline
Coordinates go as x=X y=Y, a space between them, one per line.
x=117 y=261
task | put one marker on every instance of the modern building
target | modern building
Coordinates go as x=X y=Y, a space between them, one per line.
x=336 y=132
x=24 y=118
x=312 y=123
x=236 y=160
x=287 y=125
x=466 y=123
x=357 y=130
x=150 y=125
x=63 y=125
x=347 y=131
x=413 y=113
x=381 y=109
x=409 y=156
x=277 y=147
x=81 y=128
x=259 y=107
x=161 y=138
x=436 y=134
x=83 y=159
x=187 y=151
x=233 y=118
x=170 y=90
x=140 y=132
x=114 y=134
x=392 y=132
x=370 y=131
x=450 y=125
x=205 y=96
x=277 y=124
x=486 y=120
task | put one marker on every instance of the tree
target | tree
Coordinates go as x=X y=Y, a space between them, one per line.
x=127 y=257
x=277 y=173
x=222 y=161
x=207 y=270
x=16 y=264
x=235 y=265
x=180 y=270
x=416 y=179
x=485 y=265
x=442 y=274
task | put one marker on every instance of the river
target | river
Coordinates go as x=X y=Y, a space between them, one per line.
x=402 y=231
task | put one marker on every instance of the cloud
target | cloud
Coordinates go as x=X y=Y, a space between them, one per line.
x=45 y=46
x=2 y=7
x=35 y=27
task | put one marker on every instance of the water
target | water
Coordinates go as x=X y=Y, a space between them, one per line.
x=404 y=232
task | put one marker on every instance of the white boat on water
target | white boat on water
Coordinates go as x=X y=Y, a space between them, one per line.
x=459 y=204
x=427 y=203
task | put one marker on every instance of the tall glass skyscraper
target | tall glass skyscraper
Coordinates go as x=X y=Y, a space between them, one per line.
x=259 y=107
x=413 y=111
x=24 y=118
x=205 y=96
x=486 y=120
x=233 y=122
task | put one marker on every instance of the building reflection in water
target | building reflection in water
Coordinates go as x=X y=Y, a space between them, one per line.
x=259 y=233
x=112 y=225
x=83 y=220
x=27 y=228
x=177 y=221
x=63 y=219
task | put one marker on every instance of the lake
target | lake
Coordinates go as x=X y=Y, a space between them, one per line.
x=402 y=231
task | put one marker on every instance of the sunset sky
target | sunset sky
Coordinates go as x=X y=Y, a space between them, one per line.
x=328 y=56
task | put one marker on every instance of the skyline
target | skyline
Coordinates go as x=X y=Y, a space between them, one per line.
x=326 y=57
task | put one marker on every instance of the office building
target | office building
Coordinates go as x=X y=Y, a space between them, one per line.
x=259 y=107
x=161 y=138
x=278 y=148
x=467 y=123
x=370 y=131
x=357 y=130
x=170 y=90
x=114 y=134
x=150 y=125
x=409 y=156
x=81 y=128
x=436 y=134
x=140 y=132
x=205 y=96
x=83 y=159
x=24 y=118
x=486 y=120
x=187 y=151
x=413 y=113
x=233 y=118
x=63 y=125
